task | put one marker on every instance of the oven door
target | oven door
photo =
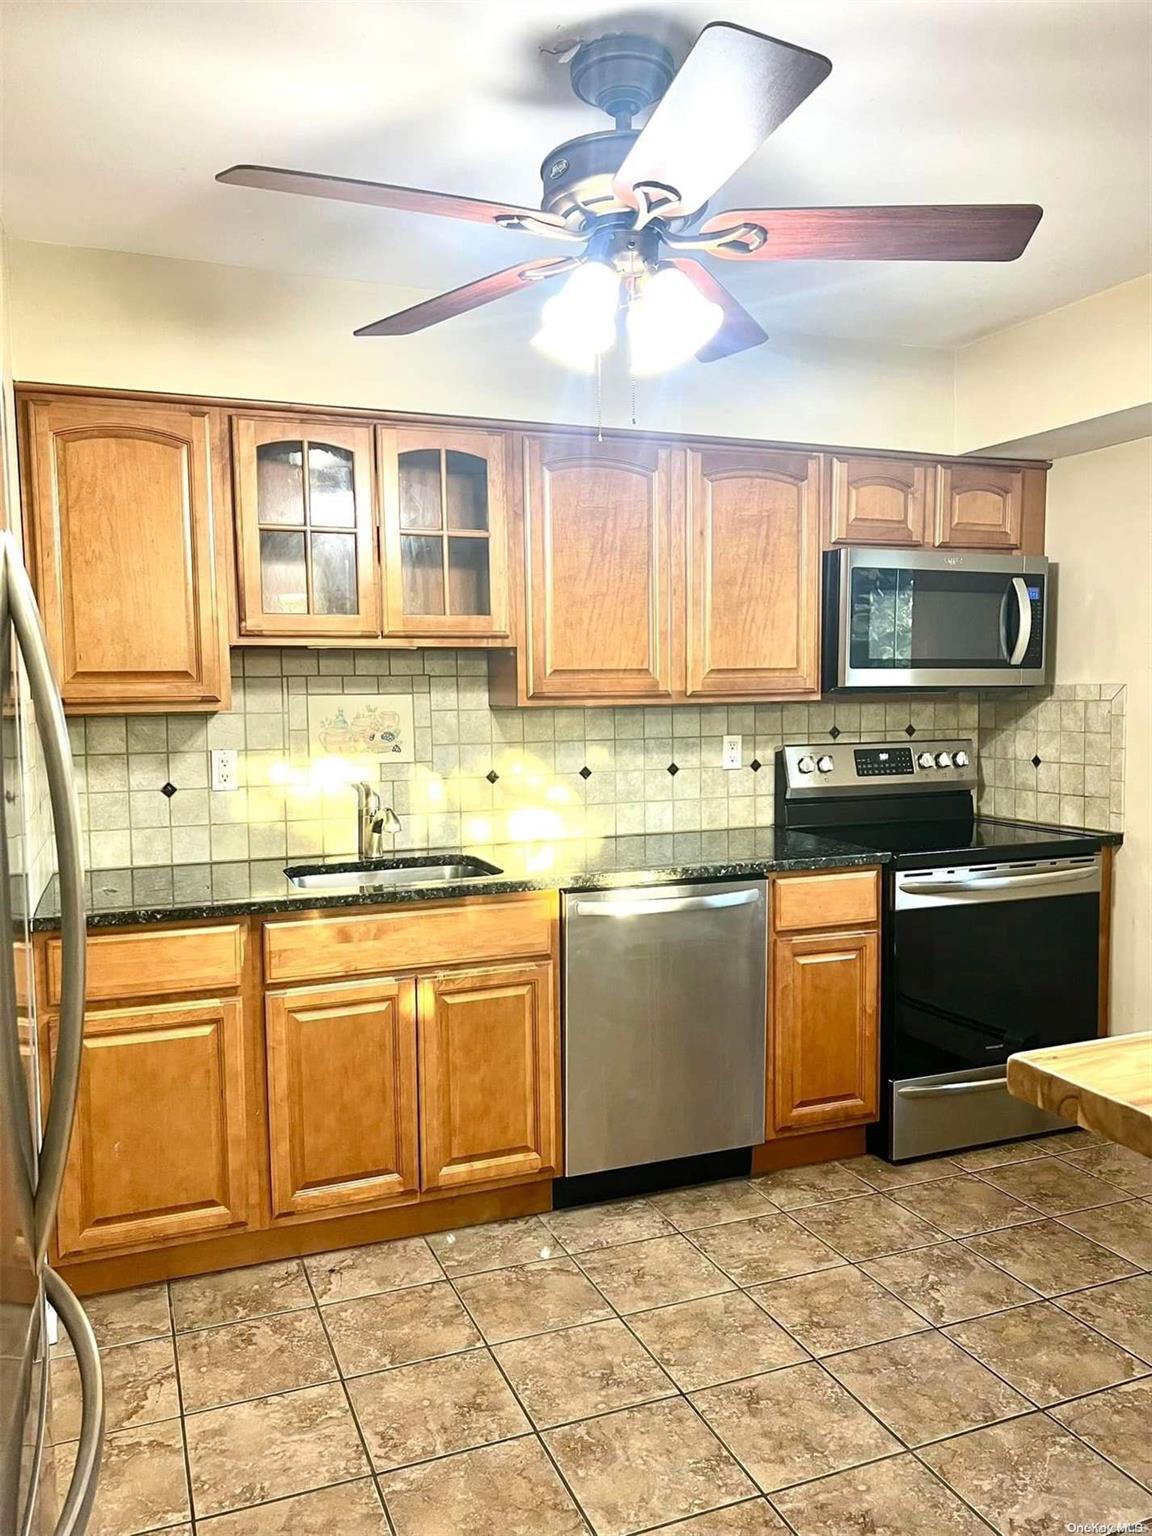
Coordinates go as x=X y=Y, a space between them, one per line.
x=922 y=619
x=987 y=960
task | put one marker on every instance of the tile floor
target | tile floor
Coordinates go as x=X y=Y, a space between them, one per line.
x=935 y=1350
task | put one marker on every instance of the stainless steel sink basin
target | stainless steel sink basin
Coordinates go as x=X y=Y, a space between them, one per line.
x=388 y=873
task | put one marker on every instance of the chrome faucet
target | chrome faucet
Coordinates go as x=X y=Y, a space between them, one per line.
x=373 y=820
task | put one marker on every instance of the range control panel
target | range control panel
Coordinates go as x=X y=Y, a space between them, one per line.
x=859 y=766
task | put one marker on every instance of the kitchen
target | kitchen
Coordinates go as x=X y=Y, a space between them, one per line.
x=568 y=898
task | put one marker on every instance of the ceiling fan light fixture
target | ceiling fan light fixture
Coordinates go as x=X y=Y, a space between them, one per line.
x=579 y=323
x=669 y=320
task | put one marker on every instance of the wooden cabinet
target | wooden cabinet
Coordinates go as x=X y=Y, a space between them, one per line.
x=128 y=570
x=878 y=501
x=979 y=506
x=162 y=1140
x=825 y=1054
x=305 y=527
x=752 y=573
x=444 y=532
x=598 y=528
x=488 y=1075
x=342 y=1095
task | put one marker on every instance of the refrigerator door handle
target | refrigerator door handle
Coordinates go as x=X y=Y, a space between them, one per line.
x=77 y=1505
x=53 y=731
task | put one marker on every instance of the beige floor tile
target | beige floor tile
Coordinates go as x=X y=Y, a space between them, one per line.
x=1117 y=1423
x=646 y=1466
x=709 y=1204
x=1053 y=1185
x=767 y=1248
x=963 y=1206
x=754 y=1517
x=578 y=1372
x=979 y=1158
x=349 y=1509
x=588 y=1227
x=1122 y=1311
x=237 y=1294
x=816 y=1184
x=143 y=1484
x=1126 y=1229
x=125 y=1317
x=533 y=1298
x=1019 y=1473
x=1050 y=1257
x=469 y=1250
x=270 y=1448
x=792 y=1425
x=865 y=1229
x=417 y=1411
x=139 y=1388
x=948 y=1283
x=653 y=1274
x=702 y=1343
x=398 y=1328
x=1045 y=1353
x=1060 y=1143
x=897 y=1497
x=253 y=1359
x=925 y=1388
x=352 y=1272
x=1117 y=1165
x=500 y=1490
x=837 y=1309
x=885 y=1176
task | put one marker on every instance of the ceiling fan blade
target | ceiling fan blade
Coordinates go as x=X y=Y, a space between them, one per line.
x=378 y=194
x=965 y=232
x=738 y=331
x=733 y=90
x=497 y=285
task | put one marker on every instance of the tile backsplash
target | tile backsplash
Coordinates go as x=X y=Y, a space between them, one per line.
x=485 y=775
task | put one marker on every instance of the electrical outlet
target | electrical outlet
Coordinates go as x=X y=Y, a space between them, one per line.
x=225 y=768
x=733 y=752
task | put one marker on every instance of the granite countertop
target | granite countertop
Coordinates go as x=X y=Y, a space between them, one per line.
x=185 y=892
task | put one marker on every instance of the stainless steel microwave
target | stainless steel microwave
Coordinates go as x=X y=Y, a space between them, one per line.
x=911 y=618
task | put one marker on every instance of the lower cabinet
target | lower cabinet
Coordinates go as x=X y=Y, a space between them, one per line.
x=160 y=1148
x=342 y=1096
x=825 y=995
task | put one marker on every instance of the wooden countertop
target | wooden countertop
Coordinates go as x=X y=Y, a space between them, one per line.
x=1103 y=1085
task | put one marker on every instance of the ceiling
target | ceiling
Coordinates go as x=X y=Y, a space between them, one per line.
x=118 y=114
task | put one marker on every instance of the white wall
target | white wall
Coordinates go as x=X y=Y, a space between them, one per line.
x=1100 y=532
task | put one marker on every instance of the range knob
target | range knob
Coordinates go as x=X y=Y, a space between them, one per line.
x=943 y=759
x=825 y=764
x=960 y=759
x=926 y=760
x=807 y=764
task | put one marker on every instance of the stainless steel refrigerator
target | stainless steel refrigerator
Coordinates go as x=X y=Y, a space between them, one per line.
x=34 y=1135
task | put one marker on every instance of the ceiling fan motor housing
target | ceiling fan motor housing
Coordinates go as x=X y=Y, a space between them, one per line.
x=622 y=74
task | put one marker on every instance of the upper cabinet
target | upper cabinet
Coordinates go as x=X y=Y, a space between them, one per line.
x=129 y=572
x=949 y=505
x=878 y=501
x=752 y=573
x=305 y=527
x=979 y=506
x=444 y=535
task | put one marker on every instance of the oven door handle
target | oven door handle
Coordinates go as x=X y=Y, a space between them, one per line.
x=999 y=882
x=941 y=1090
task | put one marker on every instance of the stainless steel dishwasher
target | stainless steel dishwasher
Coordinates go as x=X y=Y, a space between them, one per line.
x=664 y=1022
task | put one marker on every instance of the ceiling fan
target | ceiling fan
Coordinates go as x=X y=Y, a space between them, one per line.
x=631 y=204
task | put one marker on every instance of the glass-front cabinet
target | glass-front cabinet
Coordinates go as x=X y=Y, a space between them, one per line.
x=305 y=525
x=444 y=536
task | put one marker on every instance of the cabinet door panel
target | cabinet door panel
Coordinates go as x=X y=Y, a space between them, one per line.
x=824 y=1056
x=128 y=574
x=160 y=1145
x=599 y=570
x=878 y=501
x=979 y=506
x=342 y=1095
x=488 y=1072
x=753 y=569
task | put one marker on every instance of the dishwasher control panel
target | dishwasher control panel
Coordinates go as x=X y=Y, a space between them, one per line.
x=832 y=767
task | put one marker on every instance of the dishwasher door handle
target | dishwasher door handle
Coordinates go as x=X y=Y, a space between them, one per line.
x=631 y=907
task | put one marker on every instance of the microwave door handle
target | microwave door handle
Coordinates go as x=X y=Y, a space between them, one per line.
x=1024 y=626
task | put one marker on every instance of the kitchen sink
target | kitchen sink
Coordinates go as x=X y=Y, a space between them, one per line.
x=388 y=873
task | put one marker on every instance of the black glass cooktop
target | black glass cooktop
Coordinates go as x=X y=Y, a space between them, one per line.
x=976 y=840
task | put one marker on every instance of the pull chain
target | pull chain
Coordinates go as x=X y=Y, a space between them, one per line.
x=633 y=399
x=599 y=398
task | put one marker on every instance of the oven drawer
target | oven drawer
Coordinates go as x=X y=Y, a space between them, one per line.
x=959 y=1109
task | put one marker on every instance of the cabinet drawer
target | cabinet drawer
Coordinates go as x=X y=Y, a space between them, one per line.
x=156 y=964
x=410 y=938
x=825 y=901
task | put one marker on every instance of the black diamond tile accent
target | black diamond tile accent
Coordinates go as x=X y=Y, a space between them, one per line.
x=585 y=772
x=491 y=775
x=755 y=765
x=909 y=730
x=1036 y=761
x=834 y=732
x=673 y=770
x=168 y=789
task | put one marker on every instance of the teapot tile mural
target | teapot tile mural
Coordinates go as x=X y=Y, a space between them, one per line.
x=361 y=725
